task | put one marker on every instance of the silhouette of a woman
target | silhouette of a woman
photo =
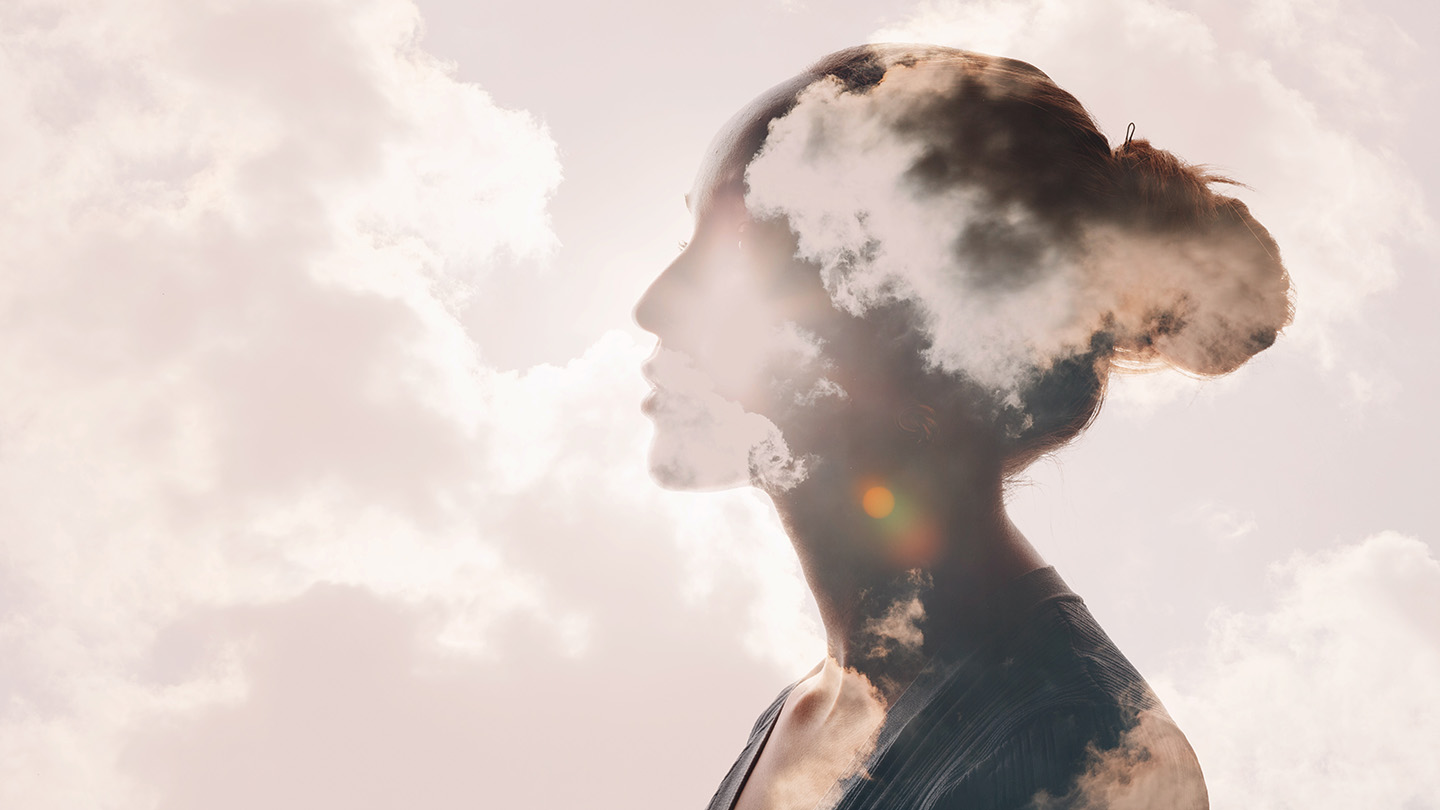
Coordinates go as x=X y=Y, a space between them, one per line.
x=912 y=271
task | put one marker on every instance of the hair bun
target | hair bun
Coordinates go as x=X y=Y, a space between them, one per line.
x=1208 y=290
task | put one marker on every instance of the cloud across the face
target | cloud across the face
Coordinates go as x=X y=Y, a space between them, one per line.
x=704 y=440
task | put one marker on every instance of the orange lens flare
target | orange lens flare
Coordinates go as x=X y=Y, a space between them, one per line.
x=879 y=502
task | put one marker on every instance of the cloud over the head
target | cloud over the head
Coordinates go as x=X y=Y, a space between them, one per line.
x=976 y=190
x=1274 y=100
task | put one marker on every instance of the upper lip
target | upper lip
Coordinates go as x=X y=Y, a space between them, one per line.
x=647 y=369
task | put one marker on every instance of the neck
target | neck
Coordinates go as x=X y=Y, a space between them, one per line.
x=892 y=590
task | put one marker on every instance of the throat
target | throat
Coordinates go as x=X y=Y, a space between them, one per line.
x=884 y=616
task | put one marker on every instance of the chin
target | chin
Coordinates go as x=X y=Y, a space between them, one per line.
x=706 y=442
x=684 y=461
x=688 y=461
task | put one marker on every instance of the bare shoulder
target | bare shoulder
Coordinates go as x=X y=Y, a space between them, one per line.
x=1088 y=755
x=1153 y=767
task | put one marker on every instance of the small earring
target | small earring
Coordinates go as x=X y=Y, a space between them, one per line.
x=920 y=420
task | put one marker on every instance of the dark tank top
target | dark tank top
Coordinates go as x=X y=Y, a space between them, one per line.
x=1039 y=712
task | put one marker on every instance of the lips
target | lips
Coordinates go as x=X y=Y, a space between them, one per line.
x=651 y=403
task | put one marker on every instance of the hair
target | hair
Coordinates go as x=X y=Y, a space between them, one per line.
x=1004 y=125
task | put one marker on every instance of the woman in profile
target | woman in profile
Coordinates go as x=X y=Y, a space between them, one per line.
x=912 y=271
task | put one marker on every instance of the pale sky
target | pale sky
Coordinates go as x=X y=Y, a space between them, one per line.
x=322 y=470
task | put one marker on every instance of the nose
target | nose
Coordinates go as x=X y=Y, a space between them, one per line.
x=644 y=313
x=652 y=308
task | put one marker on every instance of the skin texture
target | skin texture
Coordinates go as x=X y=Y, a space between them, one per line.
x=737 y=277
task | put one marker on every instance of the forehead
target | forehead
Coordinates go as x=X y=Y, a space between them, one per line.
x=720 y=183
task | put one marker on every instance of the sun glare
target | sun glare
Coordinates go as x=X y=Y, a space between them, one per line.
x=879 y=502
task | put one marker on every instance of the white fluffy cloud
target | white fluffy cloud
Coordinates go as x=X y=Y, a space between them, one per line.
x=1330 y=698
x=228 y=363
x=234 y=243
x=271 y=532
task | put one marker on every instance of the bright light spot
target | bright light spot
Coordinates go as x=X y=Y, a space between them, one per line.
x=879 y=502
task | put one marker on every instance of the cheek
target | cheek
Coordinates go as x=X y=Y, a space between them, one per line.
x=748 y=321
x=750 y=351
x=803 y=374
x=742 y=357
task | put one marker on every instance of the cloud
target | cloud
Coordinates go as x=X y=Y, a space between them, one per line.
x=1328 y=698
x=1262 y=107
x=1227 y=525
x=240 y=412
x=1024 y=247
x=893 y=631
x=1151 y=767
x=228 y=358
x=811 y=776
x=349 y=702
x=704 y=440
x=898 y=629
x=271 y=530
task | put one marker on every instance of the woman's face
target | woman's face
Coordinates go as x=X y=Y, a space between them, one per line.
x=741 y=360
